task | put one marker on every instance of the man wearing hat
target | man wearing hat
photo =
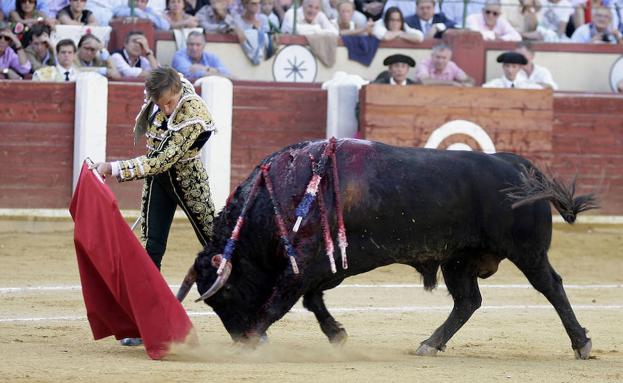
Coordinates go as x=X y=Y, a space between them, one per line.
x=398 y=69
x=512 y=63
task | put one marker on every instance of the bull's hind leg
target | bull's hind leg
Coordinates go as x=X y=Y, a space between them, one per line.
x=314 y=302
x=545 y=279
x=460 y=278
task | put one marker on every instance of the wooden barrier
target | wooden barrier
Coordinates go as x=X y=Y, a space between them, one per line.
x=574 y=133
x=588 y=141
x=517 y=121
x=36 y=150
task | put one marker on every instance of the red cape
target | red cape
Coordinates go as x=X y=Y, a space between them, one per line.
x=124 y=293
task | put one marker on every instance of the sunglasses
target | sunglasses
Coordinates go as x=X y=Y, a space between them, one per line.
x=6 y=38
x=494 y=13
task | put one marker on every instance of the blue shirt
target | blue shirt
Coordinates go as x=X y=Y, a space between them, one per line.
x=182 y=63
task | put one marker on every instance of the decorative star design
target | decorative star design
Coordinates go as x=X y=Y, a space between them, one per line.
x=295 y=69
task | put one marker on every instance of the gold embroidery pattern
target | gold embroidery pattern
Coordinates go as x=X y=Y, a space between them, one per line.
x=196 y=193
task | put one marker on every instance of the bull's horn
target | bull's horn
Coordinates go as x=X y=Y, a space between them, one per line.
x=189 y=281
x=218 y=284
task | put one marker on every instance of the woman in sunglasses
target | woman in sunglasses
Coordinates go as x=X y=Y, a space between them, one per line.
x=76 y=14
x=13 y=61
x=26 y=13
x=491 y=24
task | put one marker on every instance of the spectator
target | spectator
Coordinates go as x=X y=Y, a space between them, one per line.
x=438 y=69
x=329 y=7
x=345 y=23
x=398 y=70
x=533 y=29
x=75 y=14
x=27 y=13
x=533 y=72
x=309 y=20
x=9 y=5
x=54 y=7
x=250 y=18
x=266 y=7
x=393 y=26
x=64 y=69
x=598 y=31
x=194 y=62
x=491 y=24
x=177 y=17
x=40 y=51
x=135 y=60
x=93 y=56
x=103 y=9
x=193 y=6
x=458 y=11
x=372 y=9
x=216 y=18
x=407 y=7
x=13 y=61
x=143 y=11
x=554 y=16
x=512 y=63
x=426 y=20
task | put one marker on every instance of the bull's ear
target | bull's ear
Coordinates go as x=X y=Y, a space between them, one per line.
x=216 y=260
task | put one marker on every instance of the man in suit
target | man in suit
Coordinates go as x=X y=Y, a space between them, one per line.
x=64 y=70
x=432 y=24
x=398 y=69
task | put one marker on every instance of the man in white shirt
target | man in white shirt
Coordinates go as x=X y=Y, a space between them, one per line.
x=533 y=72
x=136 y=59
x=512 y=62
x=64 y=71
x=309 y=20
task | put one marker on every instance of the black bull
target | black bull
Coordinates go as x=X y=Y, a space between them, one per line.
x=425 y=208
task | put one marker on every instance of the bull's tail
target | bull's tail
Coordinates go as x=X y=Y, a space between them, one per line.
x=535 y=186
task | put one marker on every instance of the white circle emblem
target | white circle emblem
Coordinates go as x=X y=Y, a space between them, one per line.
x=616 y=74
x=461 y=127
x=295 y=63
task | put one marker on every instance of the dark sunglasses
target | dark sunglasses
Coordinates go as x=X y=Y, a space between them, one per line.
x=494 y=13
x=5 y=38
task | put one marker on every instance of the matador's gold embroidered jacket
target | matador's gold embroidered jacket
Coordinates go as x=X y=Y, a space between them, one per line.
x=174 y=145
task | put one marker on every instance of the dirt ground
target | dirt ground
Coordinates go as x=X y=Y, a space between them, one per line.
x=515 y=336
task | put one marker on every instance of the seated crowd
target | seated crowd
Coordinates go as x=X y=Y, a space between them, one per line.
x=26 y=27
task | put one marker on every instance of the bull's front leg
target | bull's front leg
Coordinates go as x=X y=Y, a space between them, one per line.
x=287 y=291
x=460 y=278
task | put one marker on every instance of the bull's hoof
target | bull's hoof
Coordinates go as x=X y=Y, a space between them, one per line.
x=426 y=350
x=584 y=352
x=339 y=338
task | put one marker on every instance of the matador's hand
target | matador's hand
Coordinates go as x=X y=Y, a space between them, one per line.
x=103 y=168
